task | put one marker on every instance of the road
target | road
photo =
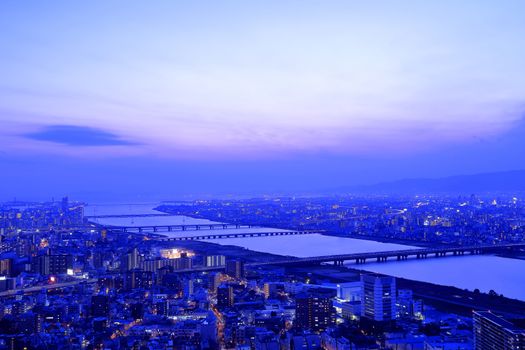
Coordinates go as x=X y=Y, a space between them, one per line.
x=47 y=287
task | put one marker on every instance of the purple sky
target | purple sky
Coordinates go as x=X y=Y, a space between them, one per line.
x=357 y=91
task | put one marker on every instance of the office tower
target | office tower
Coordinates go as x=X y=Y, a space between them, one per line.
x=494 y=332
x=100 y=305
x=235 y=268
x=314 y=310
x=378 y=297
x=224 y=296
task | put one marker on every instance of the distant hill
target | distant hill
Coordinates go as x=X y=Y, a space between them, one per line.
x=497 y=182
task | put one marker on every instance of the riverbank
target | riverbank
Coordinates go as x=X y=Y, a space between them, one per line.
x=446 y=298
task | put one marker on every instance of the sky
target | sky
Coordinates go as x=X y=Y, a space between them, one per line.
x=167 y=98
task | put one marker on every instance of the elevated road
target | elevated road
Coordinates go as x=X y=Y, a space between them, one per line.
x=34 y=289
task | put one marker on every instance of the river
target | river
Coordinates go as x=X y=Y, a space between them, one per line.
x=485 y=272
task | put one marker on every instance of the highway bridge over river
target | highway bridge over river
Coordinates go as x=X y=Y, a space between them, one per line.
x=175 y=227
x=338 y=260
x=398 y=255
x=123 y=216
x=385 y=256
x=237 y=235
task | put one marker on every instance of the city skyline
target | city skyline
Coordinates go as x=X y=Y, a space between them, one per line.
x=277 y=175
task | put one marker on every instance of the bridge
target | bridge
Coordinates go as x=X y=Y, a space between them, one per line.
x=238 y=235
x=386 y=256
x=177 y=227
x=395 y=255
x=120 y=216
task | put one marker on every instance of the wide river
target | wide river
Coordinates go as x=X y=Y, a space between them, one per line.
x=484 y=272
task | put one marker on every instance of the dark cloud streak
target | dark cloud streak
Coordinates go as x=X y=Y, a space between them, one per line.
x=79 y=136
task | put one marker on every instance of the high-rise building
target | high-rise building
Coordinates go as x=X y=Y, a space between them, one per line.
x=494 y=332
x=314 y=310
x=187 y=288
x=131 y=260
x=214 y=260
x=182 y=263
x=224 y=296
x=138 y=279
x=378 y=297
x=162 y=307
x=6 y=266
x=235 y=268
x=214 y=280
x=55 y=264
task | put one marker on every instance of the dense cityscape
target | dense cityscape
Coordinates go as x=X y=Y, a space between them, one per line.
x=262 y=175
x=69 y=282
